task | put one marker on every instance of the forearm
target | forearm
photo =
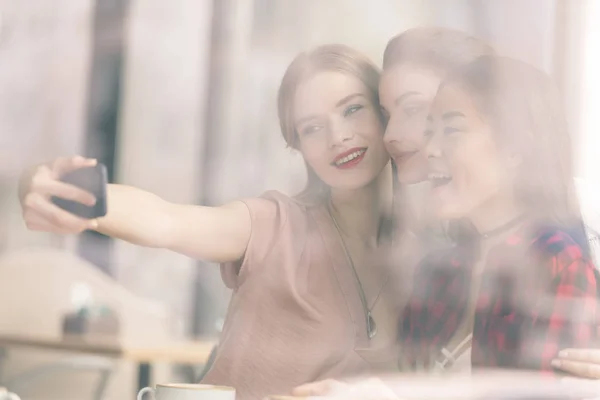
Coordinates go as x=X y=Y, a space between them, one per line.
x=136 y=216
x=211 y=233
x=218 y=234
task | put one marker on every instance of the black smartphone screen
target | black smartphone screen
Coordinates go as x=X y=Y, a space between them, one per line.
x=91 y=179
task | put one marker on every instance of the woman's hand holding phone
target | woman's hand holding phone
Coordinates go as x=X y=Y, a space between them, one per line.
x=65 y=196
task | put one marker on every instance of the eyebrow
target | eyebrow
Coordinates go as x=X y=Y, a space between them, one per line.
x=404 y=96
x=348 y=98
x=453 y=114
x=340 y=103
x=305 y=119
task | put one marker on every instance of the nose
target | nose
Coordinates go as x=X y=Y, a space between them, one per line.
x=394 y=126
x=392 y=135
x=339 y=132
x=403 y=134
x=433 y=148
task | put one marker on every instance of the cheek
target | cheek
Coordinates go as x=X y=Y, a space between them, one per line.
x=409 y=131
x=479 y=172
x=314 y=151
x=371 y=126
x=392 y=130
x=397 y=129
x=415 y=127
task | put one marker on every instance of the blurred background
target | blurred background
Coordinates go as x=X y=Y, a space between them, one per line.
x=179 y=97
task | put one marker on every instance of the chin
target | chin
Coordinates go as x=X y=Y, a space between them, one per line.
x=354 y=183
x=412 y=170
x=410 y=178
x=351 y=185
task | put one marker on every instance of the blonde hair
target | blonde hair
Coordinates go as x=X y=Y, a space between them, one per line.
x=331 y=57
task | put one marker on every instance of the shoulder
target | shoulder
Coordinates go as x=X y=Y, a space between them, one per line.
x=557 y=248
x=273 y=206
x=275 y=217
x=276 y=221
x=557 y=242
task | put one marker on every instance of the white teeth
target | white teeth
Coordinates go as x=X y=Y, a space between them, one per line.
x=438 y=176
x=350 y=157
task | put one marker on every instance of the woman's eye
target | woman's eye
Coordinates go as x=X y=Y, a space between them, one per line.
x=428 y=132
x=352 y=109
x=412 y=110
x=450 y=130
x=311 y=129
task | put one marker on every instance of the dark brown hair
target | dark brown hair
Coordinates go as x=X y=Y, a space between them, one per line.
x=443 y=49
x=523 y=106
x=330 y=57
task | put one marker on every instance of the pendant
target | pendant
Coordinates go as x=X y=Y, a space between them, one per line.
x=371 y=326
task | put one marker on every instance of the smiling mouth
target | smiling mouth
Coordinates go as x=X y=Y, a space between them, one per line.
x=349 y=160
x=439 y=179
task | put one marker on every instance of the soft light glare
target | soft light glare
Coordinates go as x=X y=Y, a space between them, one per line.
x=590 y=118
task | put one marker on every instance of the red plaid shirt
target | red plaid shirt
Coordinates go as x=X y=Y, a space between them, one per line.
x=538 y=294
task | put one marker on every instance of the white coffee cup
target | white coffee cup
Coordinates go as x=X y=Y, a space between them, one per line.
x=6 y=395
x=184 y=391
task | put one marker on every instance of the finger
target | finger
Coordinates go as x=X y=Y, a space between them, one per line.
x=65 y=191
x=321 y=388
x=309 y=389
x=55 y=215
x=63 y=165
x=35 y=222
x=585 y=355
x=580 y=369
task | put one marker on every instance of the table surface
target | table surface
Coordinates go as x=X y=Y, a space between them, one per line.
x=141 y=351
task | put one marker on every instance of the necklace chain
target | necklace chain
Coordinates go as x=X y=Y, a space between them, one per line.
x=371 y=326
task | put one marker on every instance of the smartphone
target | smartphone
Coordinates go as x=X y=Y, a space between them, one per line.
x=91 y=179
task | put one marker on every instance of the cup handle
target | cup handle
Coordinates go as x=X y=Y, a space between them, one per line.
x=145 y=390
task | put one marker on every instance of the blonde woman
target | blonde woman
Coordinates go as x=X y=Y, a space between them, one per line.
x=305 y=292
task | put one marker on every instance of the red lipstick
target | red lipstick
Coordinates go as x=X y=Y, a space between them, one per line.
x=350 y=158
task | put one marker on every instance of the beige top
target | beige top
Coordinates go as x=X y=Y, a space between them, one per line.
x=295 y=315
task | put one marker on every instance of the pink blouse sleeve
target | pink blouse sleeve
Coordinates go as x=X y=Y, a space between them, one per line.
x=269 y=217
